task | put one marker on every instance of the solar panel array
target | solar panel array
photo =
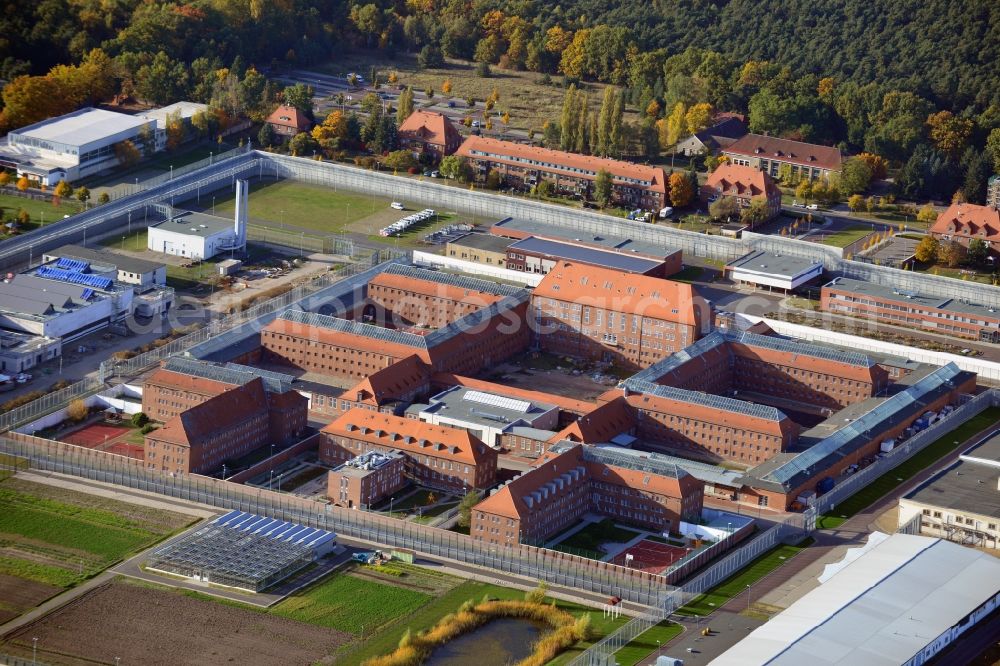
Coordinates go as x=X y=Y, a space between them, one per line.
x=653 y=463
x=243 y=550
x=355 y=328
x=710 y=400
x=859 y=428
x=475 y=284
x=231 y=373
x=75 y=277
x=801 y=348
x=679 y=358
x=474 y=319
x=73 y=265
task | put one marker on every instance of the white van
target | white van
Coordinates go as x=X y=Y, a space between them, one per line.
x=397 y=205
x=666 y=212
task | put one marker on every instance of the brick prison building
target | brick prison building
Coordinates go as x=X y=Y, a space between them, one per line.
x=688 y=403
x=523 y=166
x=176 y=393
x=630 y=320
x=570 y=480
x=437 y=456
x=367 y=479
x=225 y=427
x=486 y=335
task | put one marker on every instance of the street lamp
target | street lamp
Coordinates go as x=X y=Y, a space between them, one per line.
x=171 y=172
x=390 y=505
x=748 y=598
x=213 y=205
x=34 y=650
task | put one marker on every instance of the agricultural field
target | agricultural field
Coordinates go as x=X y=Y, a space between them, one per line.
x=52 y=538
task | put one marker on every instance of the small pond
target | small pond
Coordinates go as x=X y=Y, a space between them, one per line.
x=500 y=642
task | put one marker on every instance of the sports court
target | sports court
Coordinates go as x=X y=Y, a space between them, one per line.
x=103 y=436
x=650 y=556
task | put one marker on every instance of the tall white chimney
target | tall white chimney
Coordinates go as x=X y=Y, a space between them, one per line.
x=240 y=219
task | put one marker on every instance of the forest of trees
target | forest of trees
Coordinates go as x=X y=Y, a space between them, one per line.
x=914 y=81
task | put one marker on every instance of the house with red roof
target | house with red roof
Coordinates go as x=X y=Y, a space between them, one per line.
x=744 y=184
x=429 y=132
x=287 y=121
x=963 y=222
x=522 y=165
x=770 y=153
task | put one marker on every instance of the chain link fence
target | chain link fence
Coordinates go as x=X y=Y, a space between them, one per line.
x=154 y=181
x=301 y=241
x=517 y=559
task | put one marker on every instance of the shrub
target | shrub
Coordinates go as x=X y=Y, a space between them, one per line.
x=139 y=419
x=413 y=170
x=123 y=355
x=77 y=410
x=148 y=428
x=537 y=595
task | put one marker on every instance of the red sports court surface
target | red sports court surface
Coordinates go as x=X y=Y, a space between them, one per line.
x=650 y=556
x=93 y=435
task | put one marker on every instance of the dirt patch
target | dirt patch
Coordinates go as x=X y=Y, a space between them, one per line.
x=152 y=626
x=19 y=595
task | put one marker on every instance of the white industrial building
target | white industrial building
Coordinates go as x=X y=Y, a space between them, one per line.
x=199 y=236
x=72 y=146
x=900 y=599
x=774 y=271
x=486 y=415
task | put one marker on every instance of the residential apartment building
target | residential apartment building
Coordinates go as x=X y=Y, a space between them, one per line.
x=770 y=153
x=570 y=480
x=965 y=222
x=950 y=316
x=367 y=479
x=223 y=428
x=437 y=456
x=429 y=132
x=523 y=166
x=744 y=184
x=627 y=319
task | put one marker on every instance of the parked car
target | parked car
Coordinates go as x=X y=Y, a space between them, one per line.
x=812 y=207
x=666 y=212
x=435 y=174
x=475 y=123
x=428 y=172
x=451 y=104
x=23 y=378
x=396 y=205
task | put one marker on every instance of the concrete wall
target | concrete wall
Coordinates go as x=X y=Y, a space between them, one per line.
x=113 y=397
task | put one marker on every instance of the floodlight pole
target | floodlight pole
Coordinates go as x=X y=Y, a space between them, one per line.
x=34 y=650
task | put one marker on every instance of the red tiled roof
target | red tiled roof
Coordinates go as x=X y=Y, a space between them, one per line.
x=520 y=154
x=741 y=181
x=224 y=411
x=431 y=127
x=390 y=383
x=410 y=435
x=436 y=289
x=786 y=150
x=969 y=221
x=621 y=292
x=601 y=425
x=566 y=404
x=289 y=116
x=188 y=383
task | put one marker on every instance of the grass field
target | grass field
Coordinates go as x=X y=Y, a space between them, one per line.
x=56 y=536
x=640 y=648
x=846 y=236
x=351 y=604
x=920 y=461
x=968 y=275
x=737 y=584
x=135 y=241
x=40 y=211
x=303 y=206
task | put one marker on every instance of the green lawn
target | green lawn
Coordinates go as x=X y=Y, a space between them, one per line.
x=640 y=647
x=964 y=274
x=708 y=602
x=589 y=539
x=351 y=604
x=303 y=206
x=846 y=236
x=135 y=241
x=40 y=211
x=920 y=461
x=183 y=156
x=689 y=274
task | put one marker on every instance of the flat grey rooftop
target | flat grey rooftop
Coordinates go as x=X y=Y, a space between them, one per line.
x=196 y=224
x=988 y=452
x=81 y=127
x=615 y=259
x=769 y=263
x=572 y=235
x=487 y=242
x=489 y=409
x=912 y=299
x=965 y=487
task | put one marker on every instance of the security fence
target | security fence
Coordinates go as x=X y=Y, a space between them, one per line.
x=301 y=240
x=173 y=174
x=527 y=561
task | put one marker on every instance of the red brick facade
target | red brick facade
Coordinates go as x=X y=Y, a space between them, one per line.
x=360 y=488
